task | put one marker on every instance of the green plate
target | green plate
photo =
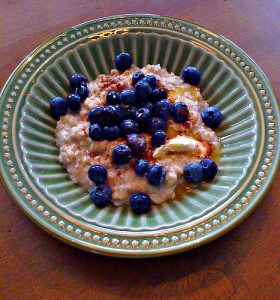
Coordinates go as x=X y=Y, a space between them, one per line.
x=230 y=80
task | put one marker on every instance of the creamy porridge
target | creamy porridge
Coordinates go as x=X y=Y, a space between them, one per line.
x=188 y=142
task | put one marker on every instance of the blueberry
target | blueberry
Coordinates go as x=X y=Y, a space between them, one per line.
x=113 y=98
x=139 y=103
x=157 y=124
x=122 y=154
x=137 y=76
x=137 y=144
x=127 y=97
x=97 y=173
x=180 y=112
x=95 y=132
x=82 y=91
x=193 y=172
x=123 y=61
x=58 y=106
x=76 y=80
x=73 y=102
x=120 y=110
x=128 y=127
x=140 y=203
x=111 y=133
x=129 y=112
x=141 y=166
x=156 y=174
x=191 y=75
x=210 y=169
x=143 y=90
x=143 y=117
x=158 y=138
x=150 y=106
x=212 y=116
x=95 y=115
x=112 y=115
x=163 y=109
x=158 y=94
x=152 y=80
x=101 y=195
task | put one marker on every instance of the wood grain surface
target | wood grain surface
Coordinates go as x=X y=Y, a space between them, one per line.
x=243 y=264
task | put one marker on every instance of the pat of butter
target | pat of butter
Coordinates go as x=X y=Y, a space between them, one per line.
x=180 y=144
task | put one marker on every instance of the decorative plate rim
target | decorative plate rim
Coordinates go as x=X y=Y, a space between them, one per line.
x=161 y=245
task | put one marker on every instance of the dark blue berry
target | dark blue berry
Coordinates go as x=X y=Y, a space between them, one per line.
x=101 y=195
x=123 y=61
x=113 y=98
x=129 y=112
x=111 y=133
x=95 y=115
x=212 y=116
x=191 y=75
x=58 y=106
x=128 y=127
x=77 y=80
x=139 y=103
x=180 y=112
x=152 y=80
x=137 y=144
x=120 y=110
x=163 y=109
x=143 y=90
x=127 y=97
x=210 y=169
x=82 y=91
x=122 y=154
x=156 y=174
x=137 y=76
x=150 y=106
x=158 y=94
x=143 y=117
x=141 y=166
x=140 y=203
x=157 y=124
x=97 y=173
x=158 y=138
x=193 y=172
x=95 y=132
x=112 y=115
x=73 y=102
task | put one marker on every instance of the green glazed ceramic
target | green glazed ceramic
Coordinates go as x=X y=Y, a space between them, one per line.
x=231 y=80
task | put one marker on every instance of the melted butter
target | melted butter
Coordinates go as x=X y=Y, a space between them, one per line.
x=216 y=155
x=183 y=188
x=181 y=144
x=180 y=91
x=171 y=132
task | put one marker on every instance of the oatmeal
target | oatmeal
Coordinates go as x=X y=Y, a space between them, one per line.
x=186 y=142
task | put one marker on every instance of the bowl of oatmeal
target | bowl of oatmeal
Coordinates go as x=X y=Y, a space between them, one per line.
x=47 y=161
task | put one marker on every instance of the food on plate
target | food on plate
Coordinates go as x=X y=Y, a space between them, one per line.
x=132 y=136
x=140 y=203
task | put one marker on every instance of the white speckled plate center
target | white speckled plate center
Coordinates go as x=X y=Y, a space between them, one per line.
x=230 y=80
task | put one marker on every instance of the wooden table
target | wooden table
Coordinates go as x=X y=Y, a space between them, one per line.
x=243 y=264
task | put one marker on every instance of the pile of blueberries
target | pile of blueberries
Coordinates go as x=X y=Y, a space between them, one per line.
x=59 y=106
x=142 y=109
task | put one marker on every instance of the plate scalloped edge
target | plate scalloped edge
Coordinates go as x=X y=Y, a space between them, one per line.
x=160 y=245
